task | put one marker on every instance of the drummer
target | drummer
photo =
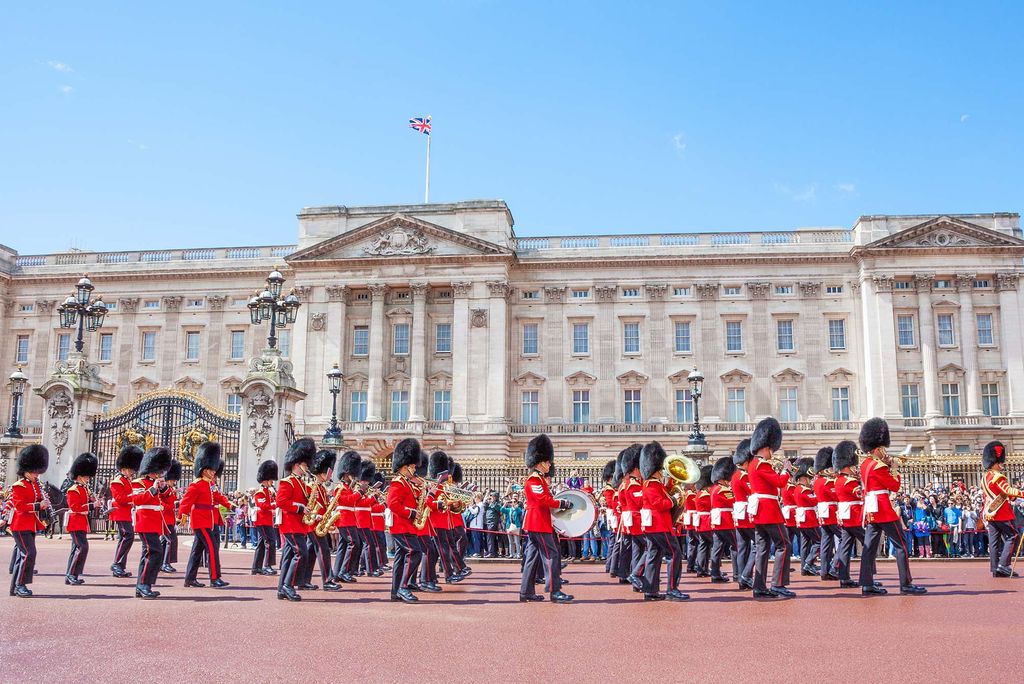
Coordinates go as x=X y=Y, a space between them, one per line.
x=543 y=547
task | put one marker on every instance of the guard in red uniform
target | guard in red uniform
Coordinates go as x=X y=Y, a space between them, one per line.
x=608 y=504
x=623 y=547
x=788 y=496
x=364 y=519
x=743 y=560
x=147 y=493
x=998 y=513
x=849 y=508
x=879 y=516
x=350 y=546
x=701 y=519
x=440 y=522
x=27 y=504
x=199 y=505
x=459 y=529
x=690 y=519
x=169 y=500
x=631 y=499
x=402 y=510
x=723 y=529
x=128 y=461
x=377 y=514
x=433 y=465
x=265 y=501
x=805 y=516
x=80 y=502
x=825 y=496
x=544 y=547
x=764 y=504
x=292 y=496
x=656 y=519
x=323 y=472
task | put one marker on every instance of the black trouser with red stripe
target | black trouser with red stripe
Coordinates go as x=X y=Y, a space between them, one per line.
x=830 y=534
x=25 y=559
x=79 y=552
x=721 y=540
x=623 y=557
x=542 y=550
x=659 y=545
x=428 y=564
x=170 y=544
x=265 y=555
x=1002 y=543
x=461 y=542
x=350 y=546
x=810 y=541
x=743 y=559
x=850 y=537
x=764 y=537
x=381 y=547
x=408 y=551
x=206 y=541
x=369 y=557
x=125 y=539
x=294 y=557
x=320 y=552
x=151 y=558
x=704 y=541
x=872 y=537
x=448 y=554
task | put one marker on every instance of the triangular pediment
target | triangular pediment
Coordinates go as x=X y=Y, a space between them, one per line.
x=580 y=378
x=144 y=384
x=839 y=375
x=736 y=375
x=788 y=375
x=529 y=379
x=632 y=377
x=231 y=381
x=398 y=236
x=945 y=232
x=188 y=384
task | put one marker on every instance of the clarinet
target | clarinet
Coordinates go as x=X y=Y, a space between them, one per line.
x=46 y=500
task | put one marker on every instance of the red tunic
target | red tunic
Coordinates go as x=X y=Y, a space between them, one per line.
x=702 y=503
x=995 y=483
x=825 y=493
x=78 y=501
x=26 y=496
x=789 y=504
x=539 y=504
x=851 y=503
x=121 y=493
x=363 y=509
x=347 y=505
x=722 y=500
x=402 y=504
x=149 y=508
x=658 y=505
x=806 y=514
x=878 y=482
x=765 y=484
x=200 y=504
x=631 y=500
x=741 y=492
x=690 y=506
x=292 y=495
x=377 y=516
x=168 y=499
x=265 y=501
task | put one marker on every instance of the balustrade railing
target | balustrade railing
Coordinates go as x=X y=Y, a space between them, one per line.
x=152 y=256
x=767 y=239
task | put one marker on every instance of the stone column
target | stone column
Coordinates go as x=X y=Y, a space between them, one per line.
x=969 y=343
x=269 y=397
x=933 y=406
x=375 y=373
x=332 y=327
x=418 y=379
x=461 y=290
x=606 y=389
x=497 y=350
x=128 y=342
x=1011 y=340
x=660 y=403
x=168 y=341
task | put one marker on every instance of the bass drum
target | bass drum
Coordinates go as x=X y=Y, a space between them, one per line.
x=578 y=520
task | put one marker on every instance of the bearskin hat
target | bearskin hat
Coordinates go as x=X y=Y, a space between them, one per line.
x=652 y=459
x=129 y=457
x=608 y=471
x=768 y=433
x=407 y=452
x=804 y=468
x=349 y=463
x=207 y=458
x=84 y=464
x=34 y=458
x=156 y=461
x=724 y=469
x=844 y=455
x=300 y=451
x=367 y=471
x=629 y=459
x=705 y=478
x=173 y=471
x=823 y=459
x=424 y=464
x=267 y=471
x=456 y=472
x=439 y=462
x=742 y=453
x=323 y=462
x=540 y=449
x=617 y=474
x=994 y=453
x=873 y=434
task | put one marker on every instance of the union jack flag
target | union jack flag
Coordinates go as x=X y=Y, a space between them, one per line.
x=421 y=124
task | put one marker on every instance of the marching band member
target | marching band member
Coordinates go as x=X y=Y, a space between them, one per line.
x=169 y=499
x=608 y=502
x=323 y=471
x=147 y=492
x=701 y=518
x=623 y=550
x=349 y=543
x=743 y=560
x=764 y=504
x=825 y=495
x=364 y=519
x=437 y=463
x=879 y=516
x=380 y=546
x=402 y=510
x=788 y=509
x=849 y=508
x=265 y=501
x=427 y=574
x=292 y=497
x=27 y=502
x=723 y=529
x=128 y=461
x=998 y=513
x=690 y=519
x=630 y=500
x=79 y=502
x=656 y=519
x=805 y=515
x=199 y=505
x=543 y=547
x=459 y=530
x=440 y=521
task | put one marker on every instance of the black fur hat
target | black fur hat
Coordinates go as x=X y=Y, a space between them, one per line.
x=207 y=458
x=34 y=458
x=407 y=452
x=439 y=462
x=629 y=459
x=456 y=472
x=874 y=434
x=130 y=456
x=156 y=461
x=349 y=463
x=173 y=471
x=84 y=464
x=617 y=474
x=367 y=471
x=742 y=453
x=323 y=462
x=267 y=471
x=608 y=471
x=300 y=451
x=652 y=459
x=705 y=478
x=804 y=468
x=823 y=459
x=844 y=455
x=994 y=453
x=539 y=449
x=724 y=469
x=768 y=433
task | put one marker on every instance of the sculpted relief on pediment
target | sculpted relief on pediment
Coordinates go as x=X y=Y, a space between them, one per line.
x=399 y=241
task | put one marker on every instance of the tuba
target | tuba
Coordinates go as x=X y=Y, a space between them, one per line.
x=681 y=470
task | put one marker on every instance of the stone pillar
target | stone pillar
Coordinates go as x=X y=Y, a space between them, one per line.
x=169 y=341
x=1011 y=340
x=418 y=379
x=606 y=389
x=269 y=398
x=933 y=406
x=497 y=350
x=885 y=330
x=461 y=291
x=375 y=373
x=969 y=343
x=332 y=328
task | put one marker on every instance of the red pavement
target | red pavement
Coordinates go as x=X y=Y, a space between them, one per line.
x=966 y=627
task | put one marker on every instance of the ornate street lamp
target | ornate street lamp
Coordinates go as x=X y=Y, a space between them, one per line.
x=269 y=305
x=17 y=386
x=77 y=310
x=696 y=380
x=333 y=434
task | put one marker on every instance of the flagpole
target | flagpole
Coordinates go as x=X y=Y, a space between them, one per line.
x=426 y=192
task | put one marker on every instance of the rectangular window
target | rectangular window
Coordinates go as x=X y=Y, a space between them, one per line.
x=151 y=304
x=531 y=340
x=401 y=339
x=990 y=399
x=399 y=406
x=631 y=409
x=362 y=296
x=733 y=336
x=733 y=291
x=237 y=345
x=905 y=328
x=631 y=338
x=443 y=294
x=684 y=406
x=192 y=346
x=680 y=291
x=531 y=407
x=361 y=341
x=631 y=292
x=235 y=404
x=787 y=405
x=910 y=399
x=833 y=289
x=357 y=406
x=985 y=337
x=63 y=346
x=580 y=338
x=783 y=289
x=531 y=294
x=194 y=304
x=442 y=404
x=946 y=336
x=284 y=342
x=982 y=284
x=581 y=406
x=840 y=403
x=21 y=349
x=682 y=337
x=106 y=346
x=581 y=294
x=943 y=284
x=950 y=399
x=901 y=285
x=26 y=308
x=149 y=346
x=784 y=334
x=836 y=334
x=736 y=408
x=402 y=295
x=443 y=338
x=580 y=455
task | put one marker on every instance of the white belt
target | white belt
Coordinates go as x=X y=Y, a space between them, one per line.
x=801 y=513
x=345 y=508
x=149 y=508
x=846 y=509
x=739 y=510
x=871 y=500
x=361 y=509
x=716 y=515
x=823 y=507
x=378 y=515
x=754 y=499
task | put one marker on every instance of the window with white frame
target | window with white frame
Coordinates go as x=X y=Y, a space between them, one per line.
x=400 y=341
x=905 y=330
x=580 y=455
x=531 y=294
x=443 y=338
x=990 y=399
x=985 y=335
x=357 y=406
x=788 y=405
x=581 y=406
x=982 y=284
x=235 y=404
x=580 y=338
x=684 y=406
x=192 y=345
x=784 y=334
x=946 y=336
x=683 y=344
x=151 y=304
x=443 y=294
x=442 y=405
x=732 y=290
x=237 y=345
x=736 y=405
x=26 y=308
x=943 y=284
x=361 y=340
x=530 y=407
x=21 y=349
x=63 y=346
x=149 y=345
x=836 y=334
x=833 y=289
x=531 y=338
x=631 y=292
x=901 y=285
x=284 y=342
x=193 y=303
x=106 y=346
x=581 y=294
x=783 y=289
x=631 y=406
x=399 y=405
x=362 y=296
x=681 y=291
x=910 y=400
x=734 y=336
x=840 y=403
x=631 y=338
x=950 y=399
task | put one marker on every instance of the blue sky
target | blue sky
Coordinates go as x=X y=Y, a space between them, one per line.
x=209 y=124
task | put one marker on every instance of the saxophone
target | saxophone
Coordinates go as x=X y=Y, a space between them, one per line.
x=327 y=523
x=309 y=516
x=422 y=512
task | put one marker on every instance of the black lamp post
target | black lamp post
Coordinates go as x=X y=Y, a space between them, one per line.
x=78 y=310
x=269 y=305
x=17 y=386
x=696 y=379
x=333 y=434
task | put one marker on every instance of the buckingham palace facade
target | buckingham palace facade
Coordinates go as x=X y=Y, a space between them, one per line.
x=447 y=326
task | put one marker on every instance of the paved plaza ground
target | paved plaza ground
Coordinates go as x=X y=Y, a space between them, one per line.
x=967 y=627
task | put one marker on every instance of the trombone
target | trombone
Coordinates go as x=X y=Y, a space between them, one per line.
x=905 y=457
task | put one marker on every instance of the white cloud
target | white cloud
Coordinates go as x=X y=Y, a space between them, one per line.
x=678 y=144
x=964 y=118
x=60 y=66
x=846 y=188
x=66 y=89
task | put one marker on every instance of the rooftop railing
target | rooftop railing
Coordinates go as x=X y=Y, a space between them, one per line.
x=153 y=256
x=770 y=238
